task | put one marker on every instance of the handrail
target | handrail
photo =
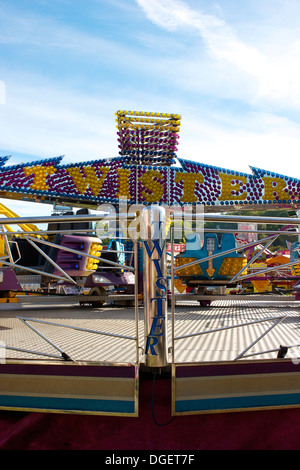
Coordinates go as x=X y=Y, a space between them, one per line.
x=217 y=330
x=174 y=270
x=207 y=217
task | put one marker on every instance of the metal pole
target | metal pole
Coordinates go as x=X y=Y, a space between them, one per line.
x=29 y=351
x=71 y=250
x=207 y=218
x=254 y=258
x=7 y=246
x=224 y=328
x=77 y=328
x=172 y=295
x=268 y=270
x=50 y=261
x=155 y=286
x=261 y=336
x=222 y=253
x=251 y=219
x=36 y=271
x=64 y=355
x=136 y=298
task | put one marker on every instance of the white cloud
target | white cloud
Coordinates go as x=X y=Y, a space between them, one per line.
x=274 y=79
x=214 y=87
x=264 y=141
x=48 y=120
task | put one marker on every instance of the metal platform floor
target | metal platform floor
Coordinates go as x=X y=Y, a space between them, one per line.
x=190 y=318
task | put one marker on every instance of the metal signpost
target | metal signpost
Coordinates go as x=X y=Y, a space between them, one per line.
x=155 y=286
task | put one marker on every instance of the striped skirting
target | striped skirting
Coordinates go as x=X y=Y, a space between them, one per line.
x=235 y=386
x=80 y=389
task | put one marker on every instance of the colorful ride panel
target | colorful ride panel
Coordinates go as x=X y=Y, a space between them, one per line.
x=234 y=386
x=109 y=180
x=76 y=389
x=221 y=268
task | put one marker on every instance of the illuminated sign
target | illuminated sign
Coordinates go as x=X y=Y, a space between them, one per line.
x=159 y=300
x=108 y=180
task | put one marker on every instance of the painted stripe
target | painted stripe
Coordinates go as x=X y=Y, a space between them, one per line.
x=236 y=368
x=237 y=385
x=66 y=404
x=79 y=386
x=69 y=370
x=83 y=389
x=237 y=403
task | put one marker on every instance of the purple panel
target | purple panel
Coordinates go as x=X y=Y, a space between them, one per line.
x=278 y=366
x=69 y=370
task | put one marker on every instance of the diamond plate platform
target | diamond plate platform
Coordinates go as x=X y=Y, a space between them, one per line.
x=190 y=318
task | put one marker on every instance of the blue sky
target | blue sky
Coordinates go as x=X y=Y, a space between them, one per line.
x=230 y=68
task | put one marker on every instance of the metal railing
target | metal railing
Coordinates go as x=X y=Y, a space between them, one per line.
x=289 y=223
x=35 y=238
x=231 y=327
x=64 y=355
x=31 y=237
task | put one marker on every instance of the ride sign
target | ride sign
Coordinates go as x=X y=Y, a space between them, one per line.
x=109 y=180
x=155 y=287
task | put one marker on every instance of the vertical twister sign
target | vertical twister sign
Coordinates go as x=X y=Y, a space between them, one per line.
x=155 y=286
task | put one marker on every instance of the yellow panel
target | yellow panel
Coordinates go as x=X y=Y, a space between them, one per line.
x=189 y=271
x=231 y=266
